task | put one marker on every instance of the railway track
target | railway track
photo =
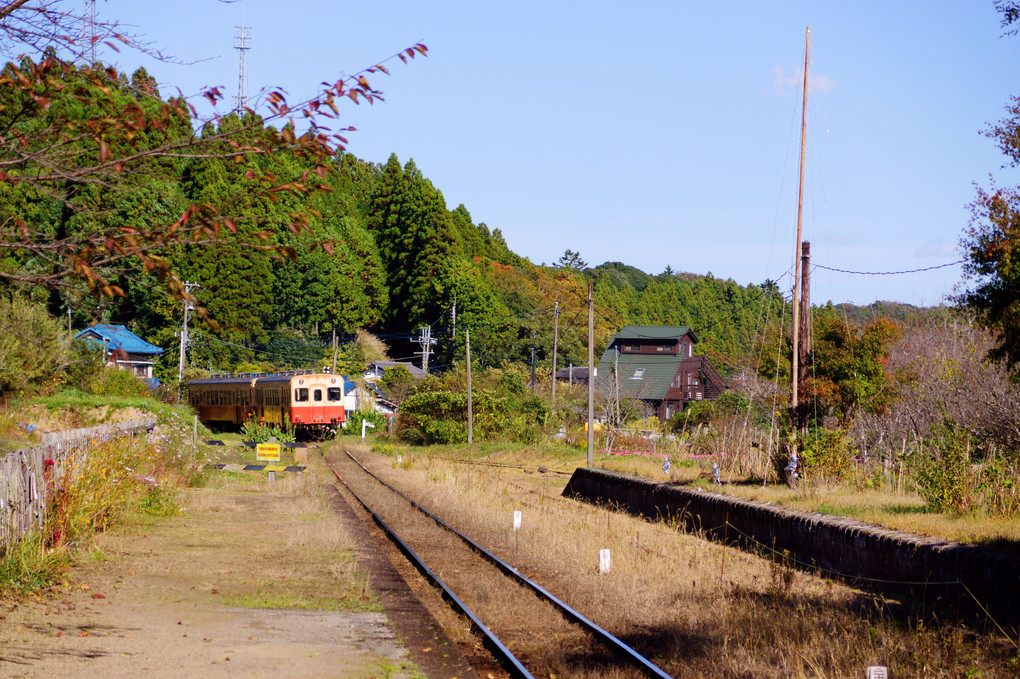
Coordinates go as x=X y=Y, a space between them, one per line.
x=524 y=627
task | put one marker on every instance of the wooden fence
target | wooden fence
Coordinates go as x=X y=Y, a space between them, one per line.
x=23 y=474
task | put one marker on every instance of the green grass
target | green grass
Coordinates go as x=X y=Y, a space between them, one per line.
x=29 y=566
x=283 y=598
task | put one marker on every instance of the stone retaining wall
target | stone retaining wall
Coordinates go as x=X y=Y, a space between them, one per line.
x=934 y=571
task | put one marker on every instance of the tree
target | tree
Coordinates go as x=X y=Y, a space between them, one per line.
x=72 y=137
x=848 y=368
x=991 y=244
x=33 y=346
x=572 y=260
x=418 y=243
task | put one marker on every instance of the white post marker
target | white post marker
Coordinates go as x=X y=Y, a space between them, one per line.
x=603 y=561
x=365 y=423
x=878 y=672
x=400 y=460
x=517 y=519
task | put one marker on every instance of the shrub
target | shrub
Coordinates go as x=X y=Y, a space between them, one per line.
x=354 y=419
x=33 y=349
x=998 y=485
x=827 y=454
x=942 y=468
x=261 y=431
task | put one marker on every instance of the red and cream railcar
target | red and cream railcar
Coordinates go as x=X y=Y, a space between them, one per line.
x=313 y=403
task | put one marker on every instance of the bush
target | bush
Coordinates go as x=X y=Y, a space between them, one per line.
x=997 y=482
x=354 y=419
x=33 y=348
x=827 y=454
x=260 y=432
x=942 y=468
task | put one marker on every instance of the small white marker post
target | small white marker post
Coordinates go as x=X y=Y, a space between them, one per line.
x=878 y=672
x=400 y=460
x=603 y=561
x=517 y=519
x=365 y=423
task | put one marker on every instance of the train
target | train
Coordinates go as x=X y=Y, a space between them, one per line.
x=312 y=403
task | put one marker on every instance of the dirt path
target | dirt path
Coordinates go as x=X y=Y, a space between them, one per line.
x=244 y=582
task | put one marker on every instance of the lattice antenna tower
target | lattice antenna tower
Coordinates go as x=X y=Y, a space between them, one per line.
x=242 y=43
x=89 y=31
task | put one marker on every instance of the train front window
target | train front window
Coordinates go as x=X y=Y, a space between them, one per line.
x=317 y=395
x=333 y=394
x=301 y=394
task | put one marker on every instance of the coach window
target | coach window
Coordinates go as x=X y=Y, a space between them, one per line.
x=333 y=394
x=317 y=395
x=301 y=394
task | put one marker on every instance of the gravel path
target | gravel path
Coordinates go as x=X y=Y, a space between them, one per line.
x=177 y=598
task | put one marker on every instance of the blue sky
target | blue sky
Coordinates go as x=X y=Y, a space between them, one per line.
x=653 y=133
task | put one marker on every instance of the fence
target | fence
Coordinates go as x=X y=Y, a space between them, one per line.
x=24 y=474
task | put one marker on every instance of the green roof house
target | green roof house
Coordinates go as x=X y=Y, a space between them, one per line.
x=656 y=365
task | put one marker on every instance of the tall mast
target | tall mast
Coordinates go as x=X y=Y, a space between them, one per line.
x=795 y=358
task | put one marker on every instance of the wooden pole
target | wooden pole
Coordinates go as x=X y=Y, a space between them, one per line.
x=805 y=325
x=471 y=425
x=795 y=333
x=556 y=338
x=591 y=375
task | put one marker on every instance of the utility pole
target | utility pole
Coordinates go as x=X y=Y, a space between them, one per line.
x=556 y=337
x=188 y=306
x=805 y=325
x=532 y=360
x=795 y=331
x=454 y=316
x=616 y=385
x=591 y=376
x=426 y=342
x=471 y=423
x=333 y=372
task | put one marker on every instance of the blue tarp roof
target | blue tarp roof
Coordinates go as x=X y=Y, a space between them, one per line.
x=118 y=337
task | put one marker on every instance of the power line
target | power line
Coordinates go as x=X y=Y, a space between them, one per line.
x=889 y=273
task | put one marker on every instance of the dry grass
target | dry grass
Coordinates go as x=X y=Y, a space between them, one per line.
x=903 y=510
x=697 y=608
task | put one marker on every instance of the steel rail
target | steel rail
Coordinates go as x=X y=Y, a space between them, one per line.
x=643 y=663
x=503 y=655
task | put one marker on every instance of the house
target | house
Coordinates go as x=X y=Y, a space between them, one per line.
x=375 y=369
x=358 y=397
x=657 y=365
x=574 y=374
x=383 y=405
x=123 y=348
